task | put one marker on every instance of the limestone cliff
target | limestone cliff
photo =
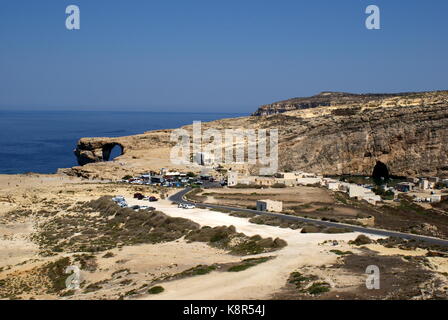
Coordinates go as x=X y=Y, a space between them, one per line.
x=325 y=99
x=332 y=133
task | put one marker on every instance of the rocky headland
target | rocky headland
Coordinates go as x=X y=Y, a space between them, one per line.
x=330 y=133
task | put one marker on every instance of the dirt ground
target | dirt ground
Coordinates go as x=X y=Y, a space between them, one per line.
x=128 y=271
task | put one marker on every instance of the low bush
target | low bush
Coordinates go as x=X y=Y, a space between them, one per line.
x=248 y=263
x=310 y=229
x=318 y=288
x=237 y=243
x=156 y=290
x=361 y=240
x=341 y=253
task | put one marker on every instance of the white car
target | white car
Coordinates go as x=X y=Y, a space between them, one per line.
x=186 y=206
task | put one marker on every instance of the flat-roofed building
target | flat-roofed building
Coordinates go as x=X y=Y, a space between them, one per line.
x=362 y=193
x=269 y=205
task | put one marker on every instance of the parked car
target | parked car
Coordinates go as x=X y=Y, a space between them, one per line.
x=186 y=206
x=118 y=198
x=139 y=196
x=123 y=204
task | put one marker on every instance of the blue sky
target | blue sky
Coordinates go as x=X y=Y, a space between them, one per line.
x=214 y=56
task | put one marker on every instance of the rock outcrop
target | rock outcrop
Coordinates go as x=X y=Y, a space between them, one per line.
x=411 y=140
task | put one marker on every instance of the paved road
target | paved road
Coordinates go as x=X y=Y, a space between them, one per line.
x=179 y=198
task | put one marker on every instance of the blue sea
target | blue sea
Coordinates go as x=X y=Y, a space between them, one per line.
x=43 y=141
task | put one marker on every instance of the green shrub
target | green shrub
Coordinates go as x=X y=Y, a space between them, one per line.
x=341 y=253
x=334 y=230
x=361 y=240
x=310 y=229
x=156 y=290
x=247 y=186
x=318 y=288
x=248 y=263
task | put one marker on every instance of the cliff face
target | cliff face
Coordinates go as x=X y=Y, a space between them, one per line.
x=324 y=99
x=411 y=141
x=349 y=135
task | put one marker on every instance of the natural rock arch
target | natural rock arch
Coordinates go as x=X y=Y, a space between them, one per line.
x=91 y=150
x=107 y=150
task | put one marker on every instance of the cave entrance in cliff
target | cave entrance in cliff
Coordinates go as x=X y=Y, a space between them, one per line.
x=111 y=151
x=380 y=173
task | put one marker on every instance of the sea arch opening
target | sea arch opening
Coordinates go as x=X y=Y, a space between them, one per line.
x=112 y=150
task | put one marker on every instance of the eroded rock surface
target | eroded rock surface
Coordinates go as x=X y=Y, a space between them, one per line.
x=332 y=133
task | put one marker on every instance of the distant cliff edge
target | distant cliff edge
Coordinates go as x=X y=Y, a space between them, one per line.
x=329 y=98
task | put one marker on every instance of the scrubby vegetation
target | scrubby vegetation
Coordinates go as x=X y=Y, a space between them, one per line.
x=274 y=221
x=156 y=290
x=237 y=243
x=194 y=196
x=313 y=228
x=241 y=214
x=393 y=242
x=248 y=263
x=361 y=240
x=318 y=288
x=341 y=253
x=310 y=229
x=102 y=225
x=49 y=278
x=197 y=271
x=87 y=262
x=247 y=186
x=308 y=284
x=385 y=195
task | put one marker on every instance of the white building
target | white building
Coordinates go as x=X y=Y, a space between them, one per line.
x=362 y=193
x=269 y=205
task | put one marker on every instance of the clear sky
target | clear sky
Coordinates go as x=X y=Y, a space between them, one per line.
x=212 y=55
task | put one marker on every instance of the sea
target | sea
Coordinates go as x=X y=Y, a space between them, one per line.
x=43 y=141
